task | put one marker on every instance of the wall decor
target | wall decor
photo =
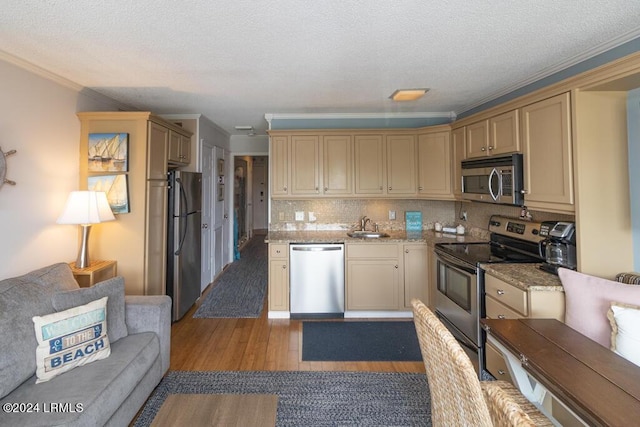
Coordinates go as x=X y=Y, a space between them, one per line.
x=117 y=189
x=220 y=192
x=3 y=168
x=108 y=152
x=220 y=167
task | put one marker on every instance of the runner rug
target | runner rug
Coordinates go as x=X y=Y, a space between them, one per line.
x=353 y=341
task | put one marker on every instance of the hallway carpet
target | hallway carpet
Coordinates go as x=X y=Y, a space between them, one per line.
x=240 y=290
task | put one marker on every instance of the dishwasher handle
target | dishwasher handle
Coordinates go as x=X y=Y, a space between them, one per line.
x=316 y=248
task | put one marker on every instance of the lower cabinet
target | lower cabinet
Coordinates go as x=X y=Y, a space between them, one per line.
x=373 y=276
x=278 y=288
x=416 y=273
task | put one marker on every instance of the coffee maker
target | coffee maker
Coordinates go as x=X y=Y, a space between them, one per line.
x=558 y=249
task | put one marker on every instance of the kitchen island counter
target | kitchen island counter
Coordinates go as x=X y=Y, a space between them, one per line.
x=525 y=276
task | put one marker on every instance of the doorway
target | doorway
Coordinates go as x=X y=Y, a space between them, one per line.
x=259 y=193
x=240 y=205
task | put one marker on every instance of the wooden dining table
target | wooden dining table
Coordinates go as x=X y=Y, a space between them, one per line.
x=546 y=356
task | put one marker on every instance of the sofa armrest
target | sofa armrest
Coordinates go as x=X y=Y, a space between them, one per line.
x=151 y=313
x=628 y=278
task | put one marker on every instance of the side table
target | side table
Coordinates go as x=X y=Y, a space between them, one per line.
x=96 y=272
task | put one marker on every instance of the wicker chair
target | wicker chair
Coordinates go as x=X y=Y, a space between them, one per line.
x=458 y=398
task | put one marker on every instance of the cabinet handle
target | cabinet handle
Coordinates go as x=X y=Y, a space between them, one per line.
x=500 y=292
x=326 y=188
x=284 y=188
x=205 y=226
x=284 y=266
x=490 y=147
x=277 y=251
x=406 y=251
x=483 y=149
x=381 y=187
x=523 y=191
x=501 y=316
x=316 y=189
x=501 y=372
x=396 y=266
x=420 y=188
x=390 y=188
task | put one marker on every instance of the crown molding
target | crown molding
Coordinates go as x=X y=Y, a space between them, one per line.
x=350 y=116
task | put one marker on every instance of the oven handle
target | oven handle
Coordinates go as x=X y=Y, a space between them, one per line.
x=453 y=262
x=495 y=196
x=459 y=336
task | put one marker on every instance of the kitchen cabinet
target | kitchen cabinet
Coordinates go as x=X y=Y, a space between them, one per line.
x=179 y=149
x=373 y=277
x=547 y=155
x=278 y=287
x=141 y=256
x=494 y=136
x=305 y=165
x=458 y=154
x=416 y=273
x=279 y=165
x=435 y=165
x=337 y=165
x=432 y=278
x=369 y=164
x=505 y=301
x=401 y=164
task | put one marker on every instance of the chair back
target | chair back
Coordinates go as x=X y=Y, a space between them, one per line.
x=456 y=395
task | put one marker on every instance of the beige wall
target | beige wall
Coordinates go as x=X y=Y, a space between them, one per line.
x=38 y=119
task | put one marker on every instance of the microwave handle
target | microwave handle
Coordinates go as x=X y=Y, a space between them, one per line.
x=495 y=196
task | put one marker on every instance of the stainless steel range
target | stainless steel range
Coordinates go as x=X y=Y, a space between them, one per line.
x=460 y=278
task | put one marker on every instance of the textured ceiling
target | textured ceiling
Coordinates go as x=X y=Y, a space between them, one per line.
x=235 y=60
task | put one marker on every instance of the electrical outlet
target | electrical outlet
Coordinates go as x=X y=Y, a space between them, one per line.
x=392 y=215
x=280 y=216
x=312 y=216
x=299 y=216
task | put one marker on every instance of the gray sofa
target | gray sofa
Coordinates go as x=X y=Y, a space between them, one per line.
x=104 y=392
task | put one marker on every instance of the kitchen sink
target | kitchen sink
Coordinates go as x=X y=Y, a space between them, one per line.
x=367 y=234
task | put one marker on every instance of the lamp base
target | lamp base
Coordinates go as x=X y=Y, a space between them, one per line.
x=83 y=254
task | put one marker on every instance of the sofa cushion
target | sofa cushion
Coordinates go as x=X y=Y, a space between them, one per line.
x=71 y=338
x=112 y=288
x=58 y=276
x=625 y=335
x=588 y=299
x=98 y=388
x=19 y=302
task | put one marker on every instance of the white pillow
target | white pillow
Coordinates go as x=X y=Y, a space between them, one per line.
x=71 y=338
x=625 y=335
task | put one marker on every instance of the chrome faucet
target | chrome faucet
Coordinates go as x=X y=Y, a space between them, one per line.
x=363 y=223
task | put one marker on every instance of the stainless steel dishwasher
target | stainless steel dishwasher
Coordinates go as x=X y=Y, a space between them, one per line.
x=316 y=279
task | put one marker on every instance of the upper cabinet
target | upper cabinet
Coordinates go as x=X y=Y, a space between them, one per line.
x=179 y=149
x=305 y=165
x=496 y=135
x=458 y=154
x=279 y=165
x=435 y=164
x=369 y=164
x=547 y=153
x=337 y=165
x=401 y=164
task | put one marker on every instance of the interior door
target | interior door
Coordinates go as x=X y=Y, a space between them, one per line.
x=208 y=191
x=259 y=190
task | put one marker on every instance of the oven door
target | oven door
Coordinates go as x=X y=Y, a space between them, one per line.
x=457 y=295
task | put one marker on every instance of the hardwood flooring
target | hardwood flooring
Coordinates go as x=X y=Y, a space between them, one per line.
x=260 y=344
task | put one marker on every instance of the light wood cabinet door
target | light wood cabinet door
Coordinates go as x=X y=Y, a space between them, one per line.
x=373 y=284
x=416 y=273
x=434 y=165
x=432 y=278
x=401 y=164
x=504 y=134
x=185 y=149
x=155 y=254
x=157 y=146
x=337 y=165
x=305 y=165
x=458 y=154
x=548 y=161
x=279 y=159
x=477 y=139
x=369 y=164
x=278 y=284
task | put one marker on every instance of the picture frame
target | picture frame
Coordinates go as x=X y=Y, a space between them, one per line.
x=117 y=189
x=220 y=167
x=108 y=152
x=220 y=192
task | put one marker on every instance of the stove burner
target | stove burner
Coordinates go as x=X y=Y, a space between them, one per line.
x=481 y=252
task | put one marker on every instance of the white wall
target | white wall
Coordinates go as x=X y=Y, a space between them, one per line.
x=38 y=119
x=633 y=123
x=252 y=145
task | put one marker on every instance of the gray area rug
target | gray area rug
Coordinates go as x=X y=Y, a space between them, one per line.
x=240 y=290
x=312 y=398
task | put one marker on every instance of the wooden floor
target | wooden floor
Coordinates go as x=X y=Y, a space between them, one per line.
x=254 y=345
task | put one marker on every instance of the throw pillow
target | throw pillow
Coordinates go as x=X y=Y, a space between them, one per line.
x=587 y=300
x=112 y=288
x=625 y=335
x=71 y=338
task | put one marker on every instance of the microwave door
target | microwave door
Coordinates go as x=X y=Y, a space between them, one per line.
x=495 y=184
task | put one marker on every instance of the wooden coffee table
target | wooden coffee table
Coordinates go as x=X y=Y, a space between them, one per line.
x=218 y=410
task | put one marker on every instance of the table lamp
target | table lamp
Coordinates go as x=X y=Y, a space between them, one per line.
x=86 y=208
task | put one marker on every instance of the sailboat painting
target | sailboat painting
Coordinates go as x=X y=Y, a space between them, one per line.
x=108 y=152
x=117 y=189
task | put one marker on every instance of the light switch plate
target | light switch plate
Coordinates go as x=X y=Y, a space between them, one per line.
x=312 y=216
x=299 y=216
x=280 y=216
x=392 y=215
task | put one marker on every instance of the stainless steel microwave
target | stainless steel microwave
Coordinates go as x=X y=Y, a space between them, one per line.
x=496 y=179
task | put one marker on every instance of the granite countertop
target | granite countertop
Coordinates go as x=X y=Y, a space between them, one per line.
x=429 y=237
x=525 y=276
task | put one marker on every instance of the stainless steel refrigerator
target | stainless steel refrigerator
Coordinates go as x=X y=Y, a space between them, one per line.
x=184 y=237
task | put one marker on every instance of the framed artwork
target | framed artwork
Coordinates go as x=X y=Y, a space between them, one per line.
x=117 y=189
x=108 y=152
x=220 y=167
x=220 y=192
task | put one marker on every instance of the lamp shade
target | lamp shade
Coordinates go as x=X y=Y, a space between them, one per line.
x=86 y=207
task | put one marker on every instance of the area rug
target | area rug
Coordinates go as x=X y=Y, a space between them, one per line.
x=312 y=398
x=240 y=290
x=360 y=341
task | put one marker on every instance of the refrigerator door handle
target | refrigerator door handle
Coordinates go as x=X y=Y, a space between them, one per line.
x=183 y=199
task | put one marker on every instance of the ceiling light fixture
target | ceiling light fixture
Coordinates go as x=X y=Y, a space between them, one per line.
x=408 y=94
x=244 y=127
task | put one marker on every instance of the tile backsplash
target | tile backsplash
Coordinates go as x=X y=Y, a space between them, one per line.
x=342 y=214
